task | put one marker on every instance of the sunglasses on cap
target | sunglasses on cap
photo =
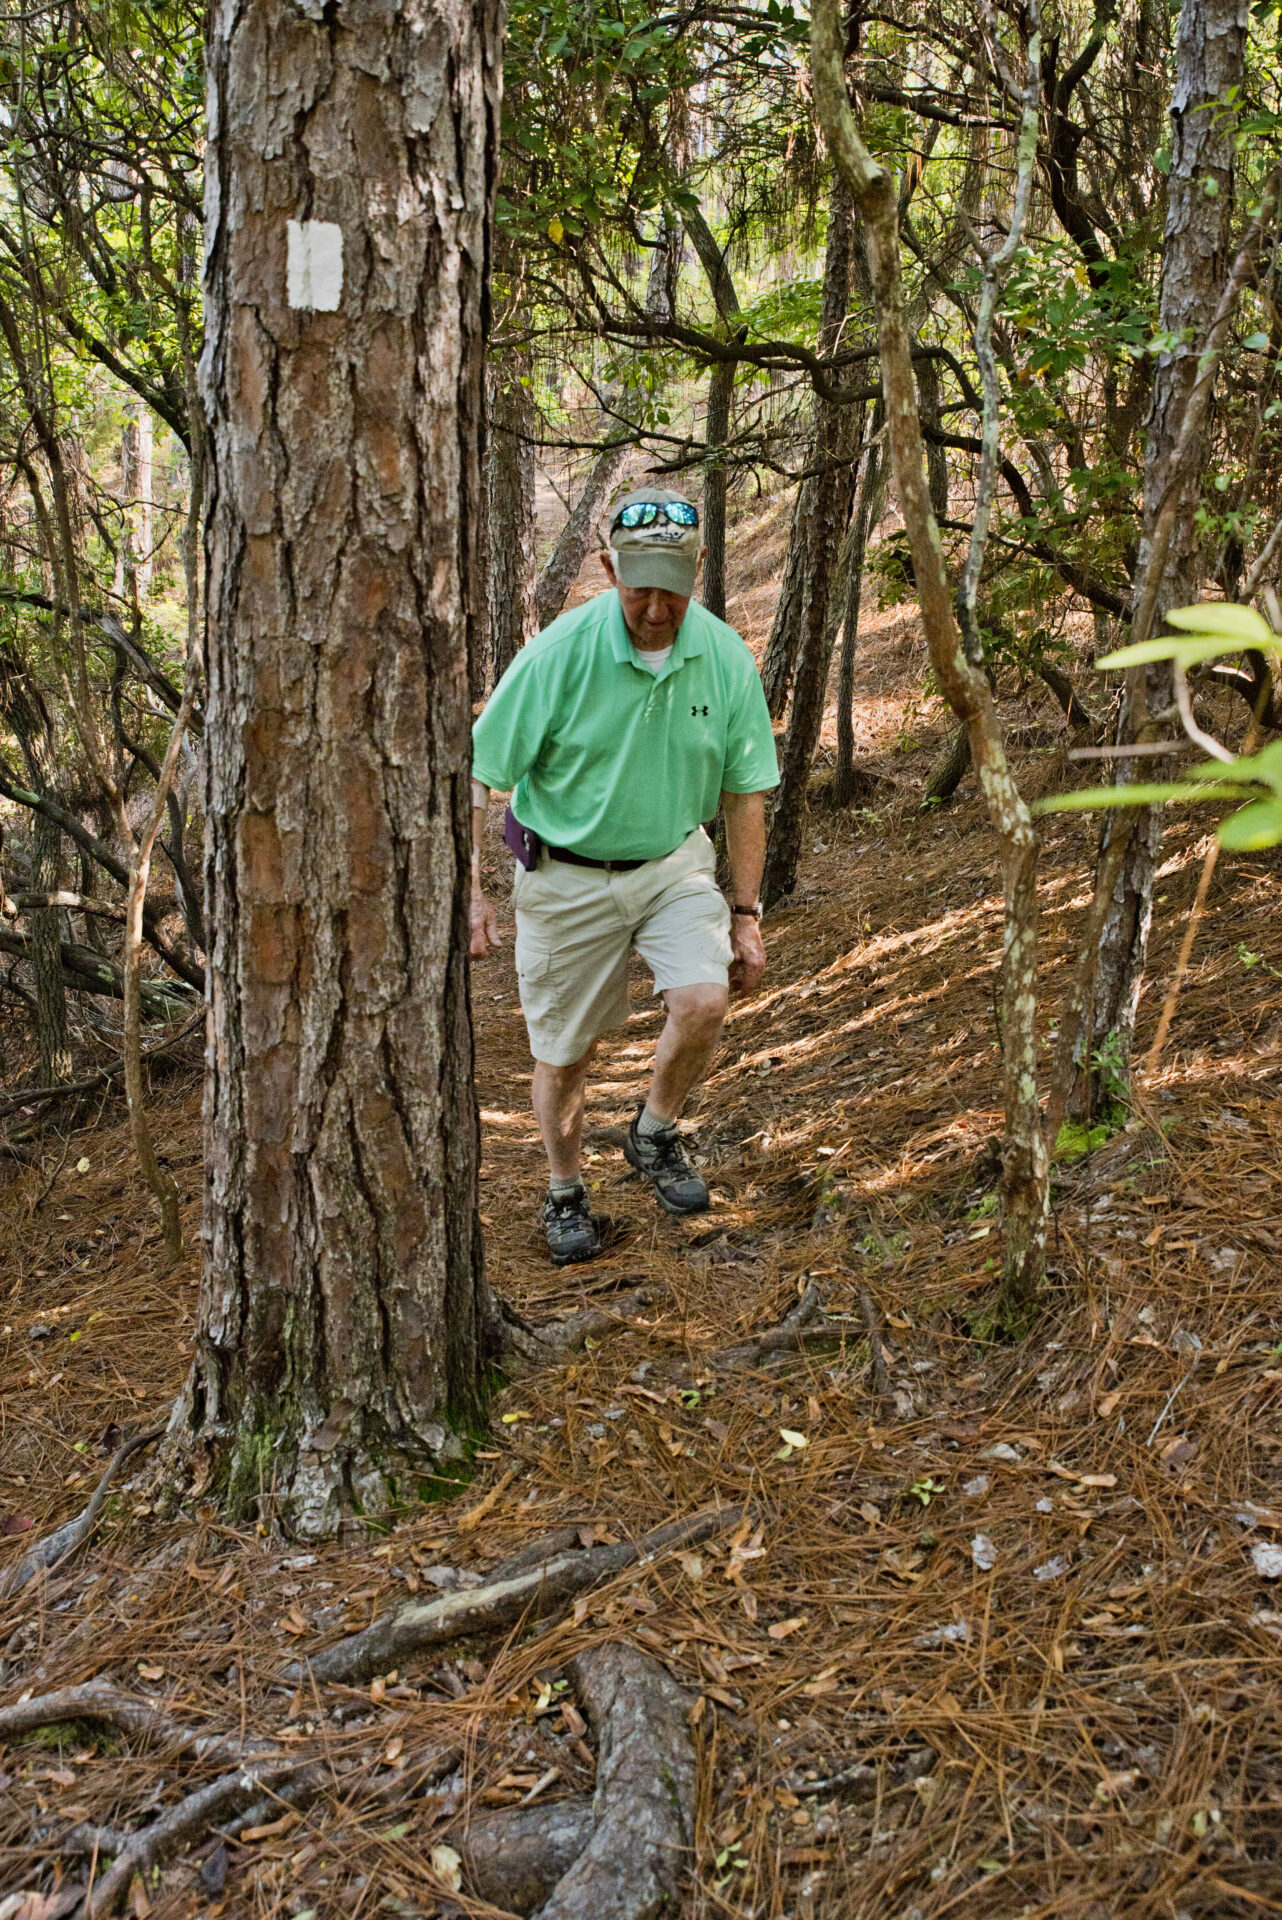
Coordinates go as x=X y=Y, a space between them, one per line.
x=644 y=513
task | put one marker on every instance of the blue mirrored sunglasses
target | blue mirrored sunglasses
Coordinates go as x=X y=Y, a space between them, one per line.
x=644 y=513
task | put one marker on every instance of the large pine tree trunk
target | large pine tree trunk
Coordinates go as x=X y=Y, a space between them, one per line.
x=510 y=536
x=350 y=179
x=1210 y=49
x=836 y=432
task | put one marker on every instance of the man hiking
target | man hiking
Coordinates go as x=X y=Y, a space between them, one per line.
x=617 y=730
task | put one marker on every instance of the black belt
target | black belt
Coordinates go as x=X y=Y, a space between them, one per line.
x=610 y=866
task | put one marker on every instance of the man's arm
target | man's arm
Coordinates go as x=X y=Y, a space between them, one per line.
x=745 y=815
x=485 y=922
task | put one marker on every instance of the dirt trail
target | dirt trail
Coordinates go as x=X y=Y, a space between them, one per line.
x=1031 y=1576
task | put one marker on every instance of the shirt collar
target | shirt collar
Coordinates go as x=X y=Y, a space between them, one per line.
x=688 y=643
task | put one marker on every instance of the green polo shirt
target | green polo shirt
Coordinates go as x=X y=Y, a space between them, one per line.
x=611 y=760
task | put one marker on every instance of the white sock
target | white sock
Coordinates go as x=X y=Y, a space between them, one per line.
x=649 y=1124
x=561 y=1188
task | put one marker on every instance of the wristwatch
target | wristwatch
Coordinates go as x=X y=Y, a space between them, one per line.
x=749 y=913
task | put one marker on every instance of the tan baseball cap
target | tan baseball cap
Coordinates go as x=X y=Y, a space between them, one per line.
x=662 y=553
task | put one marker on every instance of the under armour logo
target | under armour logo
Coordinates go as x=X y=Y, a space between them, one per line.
x=695 y=711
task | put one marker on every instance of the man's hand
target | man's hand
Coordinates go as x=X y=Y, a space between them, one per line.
x=748 y=955
x=485 y=928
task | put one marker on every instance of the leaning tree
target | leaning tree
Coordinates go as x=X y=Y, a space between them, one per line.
x=350 y=181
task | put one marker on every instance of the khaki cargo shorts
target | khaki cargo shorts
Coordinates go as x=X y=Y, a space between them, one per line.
x=577 y=926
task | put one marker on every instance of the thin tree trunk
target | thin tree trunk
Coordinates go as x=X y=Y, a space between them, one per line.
x=949 y=769
x=339 y=1338
x=831 y=490
x=566 y=559
x=716 y=432
x=1210 y=52
x=780 y=658
x=46 y=956
x=961 y=677
x=872 y=489
x=25 y=710
x=716 y=429
x=510 y=487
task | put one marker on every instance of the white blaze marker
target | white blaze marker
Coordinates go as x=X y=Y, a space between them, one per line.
x=314 y=268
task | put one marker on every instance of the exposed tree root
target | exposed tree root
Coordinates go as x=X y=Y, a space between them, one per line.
x=515 y=1858
x=96 y=1700
x=389 y=1642
x=518 y=1340
x=798 y=1331
x=60 y=1545
x=644 y=1832
x=189 y=1820
x=876 y=1348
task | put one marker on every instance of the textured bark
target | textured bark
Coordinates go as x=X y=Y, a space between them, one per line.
x=819 y=536
x=872 y=491
x=46 y=964
x=1210 y=51
x=949 y=769
x=567 y=556
x=780 y=658
x=342 y=1302
x=643 y=1842
x=514 y=1858
x=26 y=712
x=510 y=534
x=716 y=432
x=927 y=372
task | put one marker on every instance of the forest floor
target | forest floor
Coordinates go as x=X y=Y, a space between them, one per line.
x=1024 y=1594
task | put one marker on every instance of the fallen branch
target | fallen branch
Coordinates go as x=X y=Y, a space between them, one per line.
x=59 y=1546
x=14 y=1102
x=391 y=1641
x=645 y=1794
x=84 y=971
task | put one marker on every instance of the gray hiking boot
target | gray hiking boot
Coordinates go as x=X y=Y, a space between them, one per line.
x=662 y=1158
x=570 y=1228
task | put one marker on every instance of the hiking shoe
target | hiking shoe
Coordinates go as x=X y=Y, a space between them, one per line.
x=570 y=1228
x=662 y=1158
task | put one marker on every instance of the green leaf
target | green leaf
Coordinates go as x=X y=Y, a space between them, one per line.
x=1143 y=793
x=1242 y=624
x=1256 y=826
x=1189 y=653
x=1264 y=767
x=1257 y=343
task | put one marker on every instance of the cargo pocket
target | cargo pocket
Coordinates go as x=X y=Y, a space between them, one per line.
x=536 y=983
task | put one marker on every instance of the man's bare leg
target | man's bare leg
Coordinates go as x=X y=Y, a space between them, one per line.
x=557 y=1095
x=689 y=1039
